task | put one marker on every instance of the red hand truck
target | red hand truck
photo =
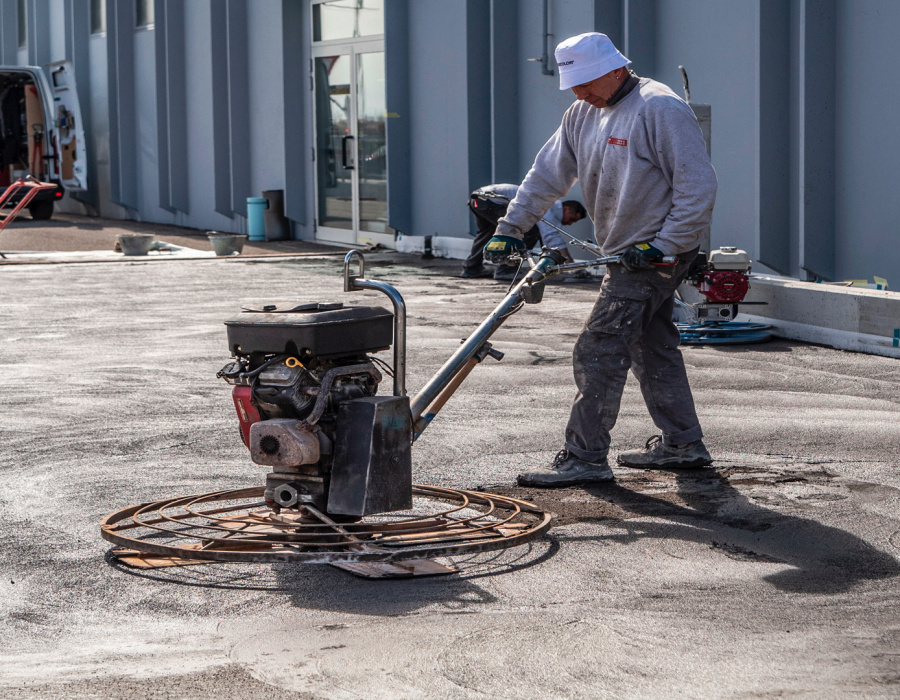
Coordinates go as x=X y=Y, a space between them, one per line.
x=29 y=183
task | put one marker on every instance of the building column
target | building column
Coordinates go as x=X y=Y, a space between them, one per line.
x=120 y=24
x=816 y=132
x=171 y=105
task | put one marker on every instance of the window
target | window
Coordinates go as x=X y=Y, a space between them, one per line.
x=143 y=13
x=347 y=19
x=98 y=16
x=23 y=24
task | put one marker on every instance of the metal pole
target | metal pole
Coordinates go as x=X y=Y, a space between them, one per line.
x=353 y=283
x=510 y=304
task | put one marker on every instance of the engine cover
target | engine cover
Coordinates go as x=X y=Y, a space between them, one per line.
x=311 y=330
x=724 y=286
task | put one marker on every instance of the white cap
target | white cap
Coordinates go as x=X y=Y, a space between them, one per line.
x=586 y=57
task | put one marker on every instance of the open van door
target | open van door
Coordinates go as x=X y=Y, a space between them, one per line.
x=41 y=132
x=67 y=128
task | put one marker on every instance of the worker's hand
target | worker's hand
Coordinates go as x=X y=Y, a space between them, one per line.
x=641 y=257
x=501 y=249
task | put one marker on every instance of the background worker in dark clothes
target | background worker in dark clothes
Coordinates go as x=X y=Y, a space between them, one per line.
x=488 y=210
x=637 y=150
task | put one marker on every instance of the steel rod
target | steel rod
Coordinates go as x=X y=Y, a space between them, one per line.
x=354 y=283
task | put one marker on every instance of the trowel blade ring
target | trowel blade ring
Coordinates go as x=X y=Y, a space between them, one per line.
x=236 y=526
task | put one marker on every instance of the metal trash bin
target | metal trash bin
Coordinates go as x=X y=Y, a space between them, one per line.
x=277 y=226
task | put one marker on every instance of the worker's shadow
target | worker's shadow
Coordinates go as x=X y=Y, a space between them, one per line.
x=822 y=559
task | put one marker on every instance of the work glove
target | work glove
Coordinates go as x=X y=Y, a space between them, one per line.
x=500 y=249
x=641 y=257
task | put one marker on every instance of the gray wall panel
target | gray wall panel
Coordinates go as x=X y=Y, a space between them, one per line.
x=867 y=103
x=201 y=166
x=478 y=92
x=817 y=125
x=265 y=98
x=717 y=42
x=9 y=33
x=56 y=26
x=773 y=103
x=295 y=88
x=439 y=130
x=640 y=19
x=221 y=119
x=505 y=91
x=39 y=33
x=239 y=103
x=98 y=98
x=147 y=170
x=77 y=50
x=171 y=105
x=541 y=102
x=399 y=115
x=609 y=19
x=122 y=136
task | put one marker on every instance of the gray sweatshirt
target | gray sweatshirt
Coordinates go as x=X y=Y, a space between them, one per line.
x=644 y=172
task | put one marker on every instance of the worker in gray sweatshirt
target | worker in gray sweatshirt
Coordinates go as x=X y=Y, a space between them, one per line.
x=649 y=187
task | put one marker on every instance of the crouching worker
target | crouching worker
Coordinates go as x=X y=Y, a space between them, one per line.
x=649 y=187
x=488 y=209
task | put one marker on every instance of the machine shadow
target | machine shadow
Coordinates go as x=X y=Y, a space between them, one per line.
x=390 y=597
x=322 y=587
x=822 y=559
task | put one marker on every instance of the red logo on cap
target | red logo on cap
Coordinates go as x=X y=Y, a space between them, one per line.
x=617 y=142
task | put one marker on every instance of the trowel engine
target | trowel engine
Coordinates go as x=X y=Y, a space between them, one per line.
x=304 y=387
x=723 y=278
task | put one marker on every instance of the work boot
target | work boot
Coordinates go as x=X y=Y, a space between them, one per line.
x=476 y=273
x=656 y=455
x=567 y=470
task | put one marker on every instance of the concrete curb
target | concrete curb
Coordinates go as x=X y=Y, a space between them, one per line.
x=846 y=318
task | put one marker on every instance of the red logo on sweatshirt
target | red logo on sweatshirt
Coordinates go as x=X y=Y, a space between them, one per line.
x=617 y=142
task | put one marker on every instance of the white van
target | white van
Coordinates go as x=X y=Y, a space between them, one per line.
x=41 y=133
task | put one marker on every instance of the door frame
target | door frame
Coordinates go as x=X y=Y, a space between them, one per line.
x=350 y=48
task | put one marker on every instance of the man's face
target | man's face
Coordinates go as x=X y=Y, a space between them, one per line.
x=598 y=91
x=570 y=216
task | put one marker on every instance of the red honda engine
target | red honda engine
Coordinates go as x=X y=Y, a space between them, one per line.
x=724 y=286
x=723 y=277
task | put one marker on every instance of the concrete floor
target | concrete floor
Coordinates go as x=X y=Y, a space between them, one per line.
x=773 y=574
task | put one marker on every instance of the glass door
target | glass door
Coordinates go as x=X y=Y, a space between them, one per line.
x=350 y=106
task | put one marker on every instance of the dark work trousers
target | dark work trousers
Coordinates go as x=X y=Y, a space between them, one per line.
x=631 y=326
x=487 y=214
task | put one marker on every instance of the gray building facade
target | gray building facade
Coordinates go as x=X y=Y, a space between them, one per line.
x=379 y=116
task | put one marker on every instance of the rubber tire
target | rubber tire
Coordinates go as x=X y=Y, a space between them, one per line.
x=41 y=211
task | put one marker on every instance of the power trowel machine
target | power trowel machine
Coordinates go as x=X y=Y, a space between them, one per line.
x=306 y=391
x=708 y=300
x=305 y=383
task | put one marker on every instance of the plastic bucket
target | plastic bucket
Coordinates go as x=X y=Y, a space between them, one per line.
x=256 y=222
x=136 y=243
x=227 y=243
